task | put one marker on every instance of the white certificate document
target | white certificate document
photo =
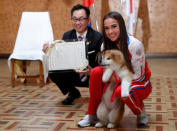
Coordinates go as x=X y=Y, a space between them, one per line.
x=68 y=55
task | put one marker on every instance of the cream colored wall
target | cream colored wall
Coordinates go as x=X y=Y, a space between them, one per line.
x=163 y=25
x=156 y=24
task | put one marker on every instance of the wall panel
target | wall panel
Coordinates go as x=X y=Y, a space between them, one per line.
x=156 y=26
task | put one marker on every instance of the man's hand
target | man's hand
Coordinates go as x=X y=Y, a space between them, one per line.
x=45 y=47
x=85 y=72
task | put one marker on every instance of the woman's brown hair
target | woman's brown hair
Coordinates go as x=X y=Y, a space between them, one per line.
x=123 y=38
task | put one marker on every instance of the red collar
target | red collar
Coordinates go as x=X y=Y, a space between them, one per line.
x=107 y=84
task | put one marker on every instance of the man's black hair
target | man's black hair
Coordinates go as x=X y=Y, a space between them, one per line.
x=78 y=7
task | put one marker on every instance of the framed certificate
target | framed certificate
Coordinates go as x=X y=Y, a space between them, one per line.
x=68 y=56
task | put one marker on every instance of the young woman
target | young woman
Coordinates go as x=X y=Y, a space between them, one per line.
x=115 y=37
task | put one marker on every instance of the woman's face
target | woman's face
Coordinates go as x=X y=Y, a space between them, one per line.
x=112 y=29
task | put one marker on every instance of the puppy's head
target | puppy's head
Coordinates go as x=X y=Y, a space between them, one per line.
x=112 y=59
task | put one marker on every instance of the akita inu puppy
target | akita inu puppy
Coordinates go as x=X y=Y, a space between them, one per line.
x=110 y=113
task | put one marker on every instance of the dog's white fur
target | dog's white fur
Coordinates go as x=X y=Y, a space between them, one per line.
x=110 y=113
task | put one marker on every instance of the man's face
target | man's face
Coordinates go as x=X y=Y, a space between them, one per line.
x=80 y=21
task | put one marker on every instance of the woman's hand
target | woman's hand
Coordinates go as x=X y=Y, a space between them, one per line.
x=85 y=72
x=45 y=47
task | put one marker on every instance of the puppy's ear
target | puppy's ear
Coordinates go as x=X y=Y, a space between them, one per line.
x=99 y=56
x=118 y=57
x=115 y=55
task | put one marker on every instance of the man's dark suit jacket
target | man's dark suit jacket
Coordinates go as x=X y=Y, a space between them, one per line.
x=67 y=81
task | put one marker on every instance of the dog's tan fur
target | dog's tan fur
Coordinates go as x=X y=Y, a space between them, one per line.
x=110 y=113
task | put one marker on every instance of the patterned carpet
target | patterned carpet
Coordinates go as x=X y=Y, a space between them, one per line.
x=31 y=108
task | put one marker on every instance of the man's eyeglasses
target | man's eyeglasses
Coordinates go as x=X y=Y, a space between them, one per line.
x=79 y=19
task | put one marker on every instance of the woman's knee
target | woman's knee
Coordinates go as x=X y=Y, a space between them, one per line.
x=95 y=82
x=97 y=72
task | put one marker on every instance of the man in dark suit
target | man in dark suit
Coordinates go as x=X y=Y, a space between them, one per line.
x=68 y=80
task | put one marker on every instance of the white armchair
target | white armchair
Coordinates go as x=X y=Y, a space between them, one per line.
x=35 y=29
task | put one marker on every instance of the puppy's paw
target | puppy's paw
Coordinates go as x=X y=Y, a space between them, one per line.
x=125 y=95
x=124 y=92
x=99 y=125
x=125 y=88
x=111 y=125
x=107 y=75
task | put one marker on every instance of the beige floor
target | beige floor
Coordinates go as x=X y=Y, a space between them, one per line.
x=31 y=108
x=166 y=67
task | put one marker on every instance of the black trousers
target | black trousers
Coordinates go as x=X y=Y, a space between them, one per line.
x=67 y=80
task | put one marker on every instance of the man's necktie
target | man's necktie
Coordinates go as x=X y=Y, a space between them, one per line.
x=80 y=38
x=82 y=76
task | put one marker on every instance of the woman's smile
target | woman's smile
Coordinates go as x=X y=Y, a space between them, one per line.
x=111 y=29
